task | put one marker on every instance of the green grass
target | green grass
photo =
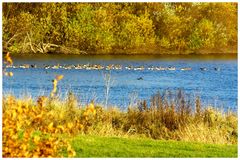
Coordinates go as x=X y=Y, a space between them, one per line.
x=95 y=146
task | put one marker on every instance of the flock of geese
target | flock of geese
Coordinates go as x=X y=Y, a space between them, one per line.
x=108 y=67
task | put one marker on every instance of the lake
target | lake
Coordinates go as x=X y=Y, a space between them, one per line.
x=213 y=78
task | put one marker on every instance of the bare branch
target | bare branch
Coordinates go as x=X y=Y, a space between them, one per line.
x=30 y=41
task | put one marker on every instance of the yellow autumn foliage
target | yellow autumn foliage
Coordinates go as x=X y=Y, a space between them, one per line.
x=59 y=77
x=27 y=134
x=55 y=82
x=30 y=129
x=8 y=59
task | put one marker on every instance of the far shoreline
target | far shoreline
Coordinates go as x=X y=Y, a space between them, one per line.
x=211 y=56
x=143 y=52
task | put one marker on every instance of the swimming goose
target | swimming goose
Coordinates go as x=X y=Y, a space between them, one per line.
x=186 y=69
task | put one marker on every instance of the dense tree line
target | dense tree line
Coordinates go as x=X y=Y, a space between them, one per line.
x=118 y=27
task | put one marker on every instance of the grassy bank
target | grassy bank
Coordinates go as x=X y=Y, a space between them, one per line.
x=39 y=128
x=96 y=146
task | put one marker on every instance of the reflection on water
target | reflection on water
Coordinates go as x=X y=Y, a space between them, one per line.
x=216 y=82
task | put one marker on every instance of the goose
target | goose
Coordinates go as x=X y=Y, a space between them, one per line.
x=139 y=68
x=33 y=66
x=186 y=69
x=151 y=68
x=217 y=69
x=129 y=67
x=118 y=67
x=171 y=68
x=203 y=68
x=24 y=66
x=78 y=67
x=160 y=68
x=109 y=67
x=55 y=67
x=46 y=67
x=9 y=66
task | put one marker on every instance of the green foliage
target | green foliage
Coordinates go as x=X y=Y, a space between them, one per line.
x=203 y=35
x=80 y=31
x=110 y=27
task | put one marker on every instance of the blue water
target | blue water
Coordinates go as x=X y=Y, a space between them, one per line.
x=216 y=88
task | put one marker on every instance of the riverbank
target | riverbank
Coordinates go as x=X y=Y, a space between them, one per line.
x=158 y=50
x=139 y=51
x=41 y=128
x=142 y=57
